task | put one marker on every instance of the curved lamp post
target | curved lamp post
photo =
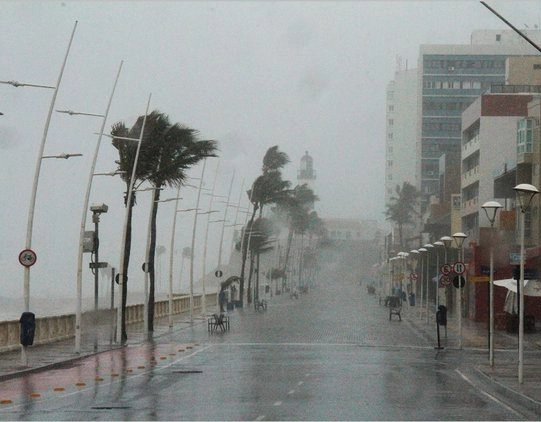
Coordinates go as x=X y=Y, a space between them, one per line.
x=525 y=193
x=79 y=275
x=437 y=245
x=121 y=272
x=459 y=241
x=429 y=247
x=414 y=257
x=422 y=252
x=491 y=209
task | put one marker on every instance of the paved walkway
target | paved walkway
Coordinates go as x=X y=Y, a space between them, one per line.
x=501 y=379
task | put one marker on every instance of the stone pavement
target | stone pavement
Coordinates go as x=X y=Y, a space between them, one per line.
x=500 y=380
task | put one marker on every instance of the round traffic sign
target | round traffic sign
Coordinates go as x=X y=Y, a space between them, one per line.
x=445 y=269
x=459 y=279
x=413 y=276
x=218 y=273
x=445 y=280
x=459 y=267
x=27 y=257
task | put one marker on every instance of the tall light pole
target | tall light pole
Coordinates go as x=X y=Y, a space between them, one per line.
x=438 y=245
x=193 y=237
x=525 y=193
x=30 y=223
x=422 y=252
x=204 y=263
x=79 y=276
x=429 y=247
x=491 y=209
x=459 y=241
x=414 y=256
x=122 y=270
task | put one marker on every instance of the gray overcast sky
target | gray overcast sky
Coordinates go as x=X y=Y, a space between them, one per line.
x=307 y=76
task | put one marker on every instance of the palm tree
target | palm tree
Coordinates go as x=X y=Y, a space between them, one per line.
x=171 y=150
x=295 y=205
x=167 y=152
x=403 y=207
x=266 y=189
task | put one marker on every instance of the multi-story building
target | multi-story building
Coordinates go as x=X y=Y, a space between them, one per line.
x=400 y=136
x=451 y=77
x=494 y=133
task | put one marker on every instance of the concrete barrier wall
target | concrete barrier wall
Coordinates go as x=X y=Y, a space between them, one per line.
x=62 y=327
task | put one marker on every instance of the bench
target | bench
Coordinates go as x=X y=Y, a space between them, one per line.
x=260 y=305
x=395 y=306
x=216 y=321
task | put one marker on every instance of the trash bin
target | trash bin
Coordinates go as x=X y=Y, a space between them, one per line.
x=28 y=328
x=412 y=299
x=230 y=306
x=441 y=315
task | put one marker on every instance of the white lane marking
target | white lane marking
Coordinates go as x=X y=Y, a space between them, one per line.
x=260 y=418
x=277 y=403
x=300 y=383
x=490 y=396
x=290 y=392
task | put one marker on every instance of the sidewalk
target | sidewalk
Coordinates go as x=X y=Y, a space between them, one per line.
x=501 y=380
x=50 y=355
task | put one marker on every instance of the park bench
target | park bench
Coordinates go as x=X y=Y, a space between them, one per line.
x=395 y=306
x=260 y=305
x=220 y=321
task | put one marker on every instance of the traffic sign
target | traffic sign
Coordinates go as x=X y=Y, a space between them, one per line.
x=445 y=280
x=445 y=269
x=459 y=279
x=459 y=267
x=413 y=276
x=27 y=257
x=218 y=273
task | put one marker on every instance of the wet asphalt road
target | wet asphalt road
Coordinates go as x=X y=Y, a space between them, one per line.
x=332 y=354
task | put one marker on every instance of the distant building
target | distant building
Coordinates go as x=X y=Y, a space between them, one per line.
x=400 y=133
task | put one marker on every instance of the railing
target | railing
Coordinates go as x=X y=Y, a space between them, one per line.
x=62 y=327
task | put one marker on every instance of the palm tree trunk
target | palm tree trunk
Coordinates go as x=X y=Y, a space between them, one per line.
x=127 y=250
x=250 y=273
x=244 y=257
x=288 y=251
x=151 y=260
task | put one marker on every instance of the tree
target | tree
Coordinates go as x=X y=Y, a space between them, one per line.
x=266 y=189
x=167 y=152
x=403 y=207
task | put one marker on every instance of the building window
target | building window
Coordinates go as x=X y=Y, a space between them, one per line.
x=537 y=66
x=498 y=37
x=390 y=122
x=524 y=136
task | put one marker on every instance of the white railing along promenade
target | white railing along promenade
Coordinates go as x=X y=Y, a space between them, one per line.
x=62 y=327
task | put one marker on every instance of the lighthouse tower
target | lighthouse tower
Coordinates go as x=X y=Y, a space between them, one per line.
x=306 y=174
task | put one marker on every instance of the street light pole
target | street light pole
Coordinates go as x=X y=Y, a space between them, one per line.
x=31 y=209
x=438 y=244
x=491 y=208
x=122 y=270
x=459 y=240
x=429 y=247
x=525 y=193
x=193 y=238
x=79 y=276
x=422 y=252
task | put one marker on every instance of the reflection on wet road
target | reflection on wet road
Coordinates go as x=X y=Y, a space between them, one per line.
x=330 y=355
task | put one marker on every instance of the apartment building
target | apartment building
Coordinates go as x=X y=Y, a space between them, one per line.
x=451 y=77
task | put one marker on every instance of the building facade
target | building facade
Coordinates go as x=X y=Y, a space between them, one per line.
x=451 y=77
